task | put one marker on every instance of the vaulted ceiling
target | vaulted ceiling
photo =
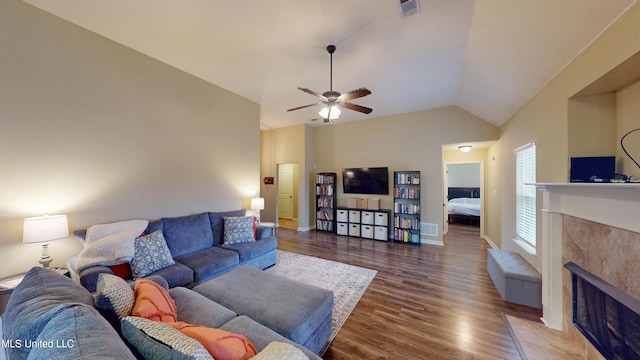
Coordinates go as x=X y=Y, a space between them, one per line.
x=488 y=57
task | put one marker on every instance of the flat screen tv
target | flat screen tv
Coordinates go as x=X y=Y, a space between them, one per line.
x=593 y=169
x=366 y=181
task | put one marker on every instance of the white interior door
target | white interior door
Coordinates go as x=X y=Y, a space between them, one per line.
x=285 y=191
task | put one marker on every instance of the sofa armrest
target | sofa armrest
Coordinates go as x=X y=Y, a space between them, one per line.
x=262 y=232
x=89 y=276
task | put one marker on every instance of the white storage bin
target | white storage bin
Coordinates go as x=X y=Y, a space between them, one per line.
x=354 y=230
x=354 y=216
x=342 y=229
x=367 y=231
x=381 y=218
x=366 y=217
x=342 y=215
x=381 y=233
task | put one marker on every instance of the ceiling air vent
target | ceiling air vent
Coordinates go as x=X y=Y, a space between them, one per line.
x=409 y=7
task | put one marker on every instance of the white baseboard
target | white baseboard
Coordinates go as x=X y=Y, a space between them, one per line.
x=489 y=241
x=304 y=228
x=432 y=242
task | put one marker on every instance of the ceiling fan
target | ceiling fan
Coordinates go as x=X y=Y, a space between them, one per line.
x=334 y=100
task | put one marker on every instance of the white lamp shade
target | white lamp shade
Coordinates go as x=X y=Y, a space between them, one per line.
x=45 y=228
x=335 y=112
x=257 y=203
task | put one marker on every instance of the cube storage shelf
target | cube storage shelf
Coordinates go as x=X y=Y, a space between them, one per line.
x=406 y=207
x=326 y=201
x=367 y=224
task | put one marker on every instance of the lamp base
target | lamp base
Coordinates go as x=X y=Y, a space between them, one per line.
x=45 y=260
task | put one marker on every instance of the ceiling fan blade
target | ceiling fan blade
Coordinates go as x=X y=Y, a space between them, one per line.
x=308 y=91
x=357 y=93
x=355 y=107
x=302 y=107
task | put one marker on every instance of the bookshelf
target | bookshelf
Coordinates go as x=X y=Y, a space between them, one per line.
x=326 y=201
x=406 y=207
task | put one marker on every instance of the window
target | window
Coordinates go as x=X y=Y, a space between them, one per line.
x=526 y=194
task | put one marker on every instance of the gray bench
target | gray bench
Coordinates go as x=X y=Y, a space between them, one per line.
x=297 y=311
x=515 y=279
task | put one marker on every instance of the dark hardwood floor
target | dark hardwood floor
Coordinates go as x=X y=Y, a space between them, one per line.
x=426 y=302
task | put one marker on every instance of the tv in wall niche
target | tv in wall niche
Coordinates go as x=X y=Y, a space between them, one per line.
x=373 y=180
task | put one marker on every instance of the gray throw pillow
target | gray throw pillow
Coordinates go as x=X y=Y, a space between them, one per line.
x=239 y=230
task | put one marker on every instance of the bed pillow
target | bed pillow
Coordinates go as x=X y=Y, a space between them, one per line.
x=153 y=302
x=151 y=254
x=156 y=340
x=239 y=230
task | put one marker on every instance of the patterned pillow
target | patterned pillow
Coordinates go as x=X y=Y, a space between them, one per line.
x=238 y=230
x=156 y=340
x=114 y=296
x=280 y=351
x=151 y=254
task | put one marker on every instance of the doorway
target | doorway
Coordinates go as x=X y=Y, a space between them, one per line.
x=463 y=181
x=288 y=195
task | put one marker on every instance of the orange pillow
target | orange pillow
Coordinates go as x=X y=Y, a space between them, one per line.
x=222 y=345
x=153 y=302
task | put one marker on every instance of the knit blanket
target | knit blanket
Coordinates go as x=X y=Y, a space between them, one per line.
x=110 y=244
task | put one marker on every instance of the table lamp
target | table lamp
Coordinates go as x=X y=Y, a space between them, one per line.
x=42 y=229
x=257 y=204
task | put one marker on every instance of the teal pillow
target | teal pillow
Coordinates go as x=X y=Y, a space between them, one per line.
x=239 y=230
x=156 y=340
x=79 y=332
x=151 y=254
x=36 y=300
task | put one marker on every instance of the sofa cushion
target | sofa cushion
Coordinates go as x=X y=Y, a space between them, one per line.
x=252 y=250
x=187 y=234
x=190 y=304
x=151 y=254
x=238 y=230
x=217 y=224
x=209 y=262
x=37 y=299
x=260 y=335
x=156 y=340
x=79 y=332
x=153 y=302
x=154 y=226
x=176 y=275
x=114 y=298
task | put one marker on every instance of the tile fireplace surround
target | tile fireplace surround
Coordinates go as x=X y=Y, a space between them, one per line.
x=597 y=227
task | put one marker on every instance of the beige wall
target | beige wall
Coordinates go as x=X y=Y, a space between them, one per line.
x=94 y=130
x=628 y=116
x=592 y=126
x=544 y=120
x=287 y=145
x=410 y=141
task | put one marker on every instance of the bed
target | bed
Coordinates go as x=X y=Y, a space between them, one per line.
x=464 y=205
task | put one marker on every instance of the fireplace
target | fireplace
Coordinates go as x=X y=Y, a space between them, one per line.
x=607 y=316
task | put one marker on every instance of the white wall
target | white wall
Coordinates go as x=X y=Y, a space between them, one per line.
x=94 y=130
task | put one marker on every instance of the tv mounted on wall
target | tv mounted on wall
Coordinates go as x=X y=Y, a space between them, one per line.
x=366 y=181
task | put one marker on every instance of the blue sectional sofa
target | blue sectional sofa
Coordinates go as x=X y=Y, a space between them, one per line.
x=49 y=316
x=196 y=243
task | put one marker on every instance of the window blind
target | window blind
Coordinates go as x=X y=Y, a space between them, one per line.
x=526 y=194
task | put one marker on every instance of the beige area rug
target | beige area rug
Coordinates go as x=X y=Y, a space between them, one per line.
x=347 y=282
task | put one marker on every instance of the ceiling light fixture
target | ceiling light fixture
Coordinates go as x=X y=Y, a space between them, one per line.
x=330 y=112
x=465 y=148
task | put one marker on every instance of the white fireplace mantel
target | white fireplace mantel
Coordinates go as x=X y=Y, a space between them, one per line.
x=613 y=204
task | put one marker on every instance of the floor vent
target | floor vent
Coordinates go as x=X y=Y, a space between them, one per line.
x=428 y=229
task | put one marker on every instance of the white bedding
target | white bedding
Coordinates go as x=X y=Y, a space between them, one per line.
x=464 y=206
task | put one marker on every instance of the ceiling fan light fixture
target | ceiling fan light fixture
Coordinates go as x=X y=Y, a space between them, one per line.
x=465 y=148
x=331 y=115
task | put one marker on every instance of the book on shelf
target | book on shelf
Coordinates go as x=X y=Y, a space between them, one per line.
x=325 y=178
x=324 y=190
x=404 y=178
